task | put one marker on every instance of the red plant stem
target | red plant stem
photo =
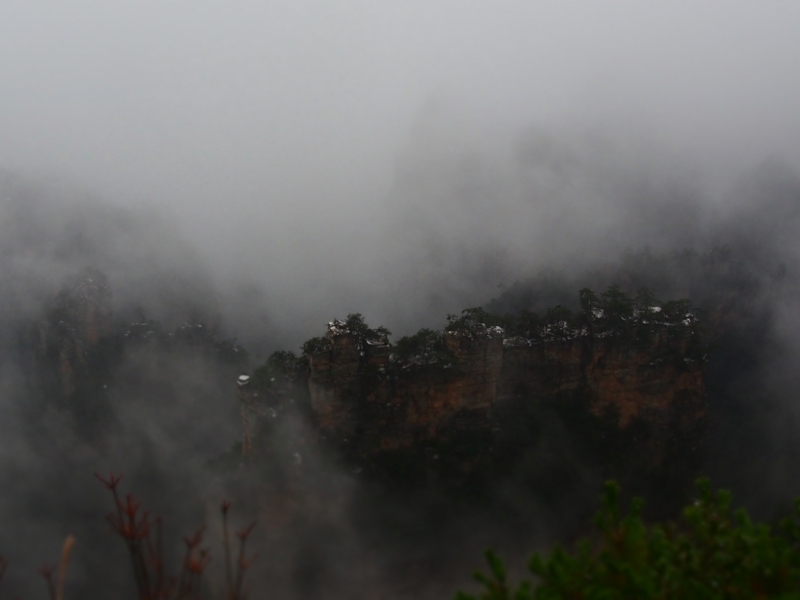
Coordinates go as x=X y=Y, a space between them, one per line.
x=240 y=569
x=227 y=543
x=159 y=557
x=141 y=556
x=156 y=560
x=130 y=537
x=241 y=566
x=62 y=571
x=47 y=572
x=131 y=543
x=147 y=552
x=184 y=570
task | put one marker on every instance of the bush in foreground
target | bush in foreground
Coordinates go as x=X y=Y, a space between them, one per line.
x=710 y=553
x=143 y=537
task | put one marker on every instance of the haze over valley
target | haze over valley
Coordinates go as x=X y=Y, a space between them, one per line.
x=187 y=188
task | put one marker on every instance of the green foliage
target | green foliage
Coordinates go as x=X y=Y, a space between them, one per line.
x=558 y=314
x=559 y=322
x=472 y=317
x=529 y=324
x=316 y=344
x=588 y=301
x=645 y=300
x=424 y=347
x=617 y=306
x=711 y=553
x=282 y=366
x=381 y=330
x=614 y=311
x=285 y=363
x=356 y=325
x=676 y=310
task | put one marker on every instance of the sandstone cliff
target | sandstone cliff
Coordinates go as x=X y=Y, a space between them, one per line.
x=72 y=333
x=649 y=376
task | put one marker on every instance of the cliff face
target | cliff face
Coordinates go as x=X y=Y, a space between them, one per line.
x=82 y=360
x=358 y=397
x=649 y=378
x=72 y=334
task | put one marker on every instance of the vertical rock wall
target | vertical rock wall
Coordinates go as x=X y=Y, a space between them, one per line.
x=362 y=398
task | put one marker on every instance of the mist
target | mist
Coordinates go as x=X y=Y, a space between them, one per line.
x=260 y=170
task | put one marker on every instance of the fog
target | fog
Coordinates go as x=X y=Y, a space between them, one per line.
x=263 y=168
x=282 y=139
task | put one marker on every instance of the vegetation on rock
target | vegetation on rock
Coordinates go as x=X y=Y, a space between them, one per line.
x=356 y=326
x=613 y=312
x=426 y=347
x=282 y=366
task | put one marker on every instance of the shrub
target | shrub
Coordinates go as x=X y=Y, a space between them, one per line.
x=710 y=553
x=143 y=537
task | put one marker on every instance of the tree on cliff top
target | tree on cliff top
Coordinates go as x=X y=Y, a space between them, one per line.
x=617 y=306
x=559 y=322
x=281 y=366
x=357 y=326
x=426 y=347
x=473 y=317
x=588 y=302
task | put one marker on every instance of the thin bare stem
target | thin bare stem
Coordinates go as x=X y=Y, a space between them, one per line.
x=242 y=563
x=160 y=581
x=184 y=572
x=189 y=565
x=66 y=550
x=226 y=540
x=146 y=550
x=46 y=571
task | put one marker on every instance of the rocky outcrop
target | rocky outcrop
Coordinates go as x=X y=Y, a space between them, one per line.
x=649 y=377
x=359 y=394
x=75 y=327
x=83 y=360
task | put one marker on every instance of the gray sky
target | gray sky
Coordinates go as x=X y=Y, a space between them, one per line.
x=397 y=158
x=274 y=131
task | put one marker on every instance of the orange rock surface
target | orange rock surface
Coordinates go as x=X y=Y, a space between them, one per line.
x=355 y=395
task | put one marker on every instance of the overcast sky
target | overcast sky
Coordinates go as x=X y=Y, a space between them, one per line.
x=400 y=158
x=264 y=125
